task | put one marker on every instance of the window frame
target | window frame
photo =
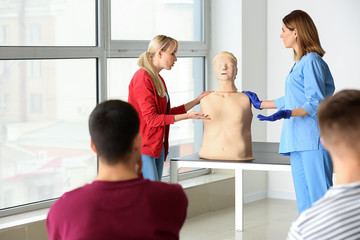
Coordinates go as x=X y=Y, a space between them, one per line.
x=104 y=49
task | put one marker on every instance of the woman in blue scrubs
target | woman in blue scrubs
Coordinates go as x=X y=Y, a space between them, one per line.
x=308 y=82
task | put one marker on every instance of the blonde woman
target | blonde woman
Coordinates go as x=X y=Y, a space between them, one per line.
x=308 y=82
x=148 y=94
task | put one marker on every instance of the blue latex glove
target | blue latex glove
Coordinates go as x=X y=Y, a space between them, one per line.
x=254 y=99
x=276 y=116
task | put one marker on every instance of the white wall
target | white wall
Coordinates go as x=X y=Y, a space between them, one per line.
x=254 y=61
x=225 y=34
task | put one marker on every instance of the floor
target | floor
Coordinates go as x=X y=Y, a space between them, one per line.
x=263 y=220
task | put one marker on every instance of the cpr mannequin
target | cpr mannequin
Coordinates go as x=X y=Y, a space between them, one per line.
x=227 y=136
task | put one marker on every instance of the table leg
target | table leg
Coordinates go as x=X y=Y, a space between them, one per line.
x=174 y=172
x=239 y=214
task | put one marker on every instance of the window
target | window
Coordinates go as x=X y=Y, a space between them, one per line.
x=4 y=33
x=48 y=86
x=48 y=23
x=44 y=149
x=35 y=33
x=179 y=19
x=58 y=60
x=35 y=70
x=36 y=103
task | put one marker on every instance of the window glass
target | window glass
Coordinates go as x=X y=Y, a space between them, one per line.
x=180 y=82
x=144 y=19
x=44 y=143
x=47 y=23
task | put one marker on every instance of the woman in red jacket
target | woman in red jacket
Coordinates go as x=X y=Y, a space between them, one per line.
x=148 y=95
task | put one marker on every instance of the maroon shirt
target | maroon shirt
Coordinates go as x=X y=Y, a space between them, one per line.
x=132 y=209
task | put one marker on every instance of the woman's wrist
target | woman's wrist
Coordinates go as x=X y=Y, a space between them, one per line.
x=270 y=104
x=191 y=104
x=180 y=117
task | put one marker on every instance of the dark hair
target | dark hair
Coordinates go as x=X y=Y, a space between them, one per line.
x=113 y=126
x=307 y=34
x=339 y=118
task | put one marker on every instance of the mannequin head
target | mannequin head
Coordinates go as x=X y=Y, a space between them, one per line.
x=225 y=66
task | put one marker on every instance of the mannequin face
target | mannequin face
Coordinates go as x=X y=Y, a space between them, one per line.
x=225 y=68
x=289 y=37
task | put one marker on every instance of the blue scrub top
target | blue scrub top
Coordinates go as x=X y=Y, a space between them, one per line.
x=308 y=82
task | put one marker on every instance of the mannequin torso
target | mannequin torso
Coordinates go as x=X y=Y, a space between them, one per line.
x=227 y=136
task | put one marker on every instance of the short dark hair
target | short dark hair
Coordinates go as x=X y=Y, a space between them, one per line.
x=339 y=119
x=113 y=125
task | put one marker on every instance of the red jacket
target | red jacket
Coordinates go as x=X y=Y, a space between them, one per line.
x=155 y=115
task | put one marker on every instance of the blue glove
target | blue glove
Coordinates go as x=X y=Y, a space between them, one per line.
x=254 y=99
x=276 y=116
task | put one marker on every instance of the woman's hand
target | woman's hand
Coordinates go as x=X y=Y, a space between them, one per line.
x=196 y=101
x=254 y=99
x=191 y=115
x=286 y=114
x=202 y=95
x=198 y=115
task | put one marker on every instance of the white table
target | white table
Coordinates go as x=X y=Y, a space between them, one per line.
x=266 y=159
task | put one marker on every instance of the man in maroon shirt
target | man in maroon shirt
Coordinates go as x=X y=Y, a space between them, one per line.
x=120 y=203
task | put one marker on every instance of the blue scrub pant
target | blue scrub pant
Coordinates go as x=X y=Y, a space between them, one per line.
x=152 y=167
x=312 y=175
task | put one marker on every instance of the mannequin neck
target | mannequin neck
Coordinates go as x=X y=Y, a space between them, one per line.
x=226 y=86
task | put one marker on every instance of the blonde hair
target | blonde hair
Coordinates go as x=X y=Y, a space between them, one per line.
x=227 y=54
x=160 y=42
x=307 y=34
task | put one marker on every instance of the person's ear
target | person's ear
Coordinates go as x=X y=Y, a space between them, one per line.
x=137 y=143
x=324 y=143
x=160 y=53
x=92 y=145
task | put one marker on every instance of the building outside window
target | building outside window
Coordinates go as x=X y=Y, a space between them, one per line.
x=36 y=103
x=4 y=30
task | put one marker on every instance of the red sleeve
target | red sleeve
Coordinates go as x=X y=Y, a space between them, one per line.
x=145 y=97
x=178 y=110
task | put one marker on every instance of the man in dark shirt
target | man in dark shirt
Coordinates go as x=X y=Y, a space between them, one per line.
x=120 y=203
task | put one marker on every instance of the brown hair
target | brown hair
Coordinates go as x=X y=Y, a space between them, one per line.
x=307 y=34
x=339 y=119
x=159 y=42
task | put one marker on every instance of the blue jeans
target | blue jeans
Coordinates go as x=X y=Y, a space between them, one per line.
x=152 y=167
x=312 y=175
